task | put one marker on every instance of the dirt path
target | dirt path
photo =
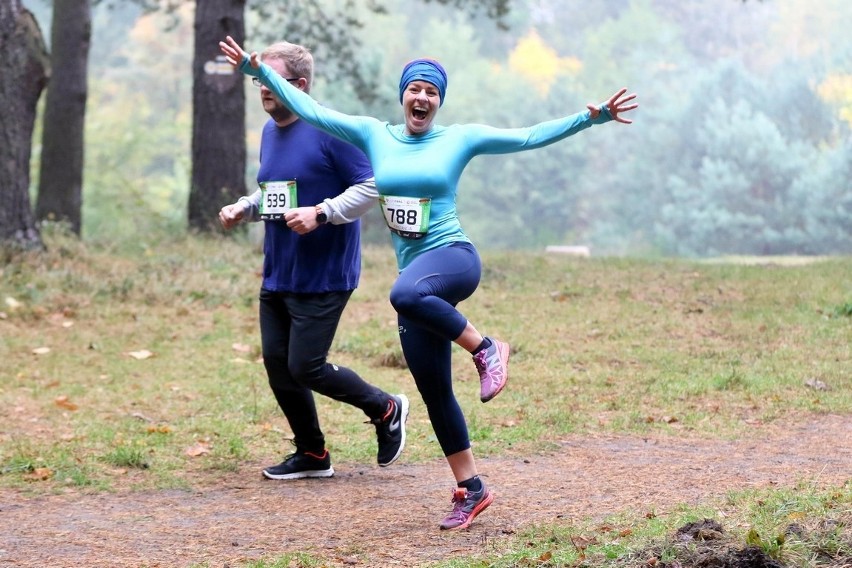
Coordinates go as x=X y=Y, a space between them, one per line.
x=367 y=516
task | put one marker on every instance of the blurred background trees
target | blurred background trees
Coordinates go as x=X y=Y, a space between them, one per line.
x=741 y=143
x=60 y=190
x=23 y=76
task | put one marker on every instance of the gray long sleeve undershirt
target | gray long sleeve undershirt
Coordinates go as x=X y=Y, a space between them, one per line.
x=343 y=208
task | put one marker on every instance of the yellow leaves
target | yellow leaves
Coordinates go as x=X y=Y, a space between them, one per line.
x=837 y=89
x=539 y=63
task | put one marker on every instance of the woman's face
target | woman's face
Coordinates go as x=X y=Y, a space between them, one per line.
x=420 y=103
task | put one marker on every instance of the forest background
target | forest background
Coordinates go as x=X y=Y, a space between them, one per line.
x=741 y=144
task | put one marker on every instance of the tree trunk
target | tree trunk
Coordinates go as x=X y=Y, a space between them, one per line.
x=218 y=113
x=61 y=178
x=23 y=76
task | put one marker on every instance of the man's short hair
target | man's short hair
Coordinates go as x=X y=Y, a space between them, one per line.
x=298 y=59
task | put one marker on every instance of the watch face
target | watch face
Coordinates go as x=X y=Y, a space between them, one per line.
x=322 y=218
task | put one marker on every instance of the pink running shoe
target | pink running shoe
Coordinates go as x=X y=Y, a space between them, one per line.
x=493 y=366
x=466 y=506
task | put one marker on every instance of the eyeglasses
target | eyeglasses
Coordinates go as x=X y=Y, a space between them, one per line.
x=256 y=81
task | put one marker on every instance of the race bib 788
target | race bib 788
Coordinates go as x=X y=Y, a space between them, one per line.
x=406 y=216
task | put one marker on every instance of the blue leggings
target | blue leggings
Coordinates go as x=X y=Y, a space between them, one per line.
x=424 y=297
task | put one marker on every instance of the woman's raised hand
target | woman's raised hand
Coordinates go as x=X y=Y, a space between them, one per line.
x=617 y=104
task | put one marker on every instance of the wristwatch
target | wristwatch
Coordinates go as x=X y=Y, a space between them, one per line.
x=322 y=218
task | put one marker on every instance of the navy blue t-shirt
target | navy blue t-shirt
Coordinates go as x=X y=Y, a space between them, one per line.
x=327 y=259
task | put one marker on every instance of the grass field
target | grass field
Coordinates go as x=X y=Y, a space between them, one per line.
x=136 y=370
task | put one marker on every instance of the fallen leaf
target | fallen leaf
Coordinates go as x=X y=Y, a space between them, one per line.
x=63 y=402
x=753 y=537
x=41 y=350
x=581 y=543
x=241 y=347
x=140 y=355
x=817 y=384
x=197 y=450
x=39 y=474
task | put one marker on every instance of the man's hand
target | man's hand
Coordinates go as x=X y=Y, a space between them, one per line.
x=302 y=220
x=231 y=215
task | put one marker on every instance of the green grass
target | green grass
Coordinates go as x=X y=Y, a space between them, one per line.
x=599 y=345
x=617 y=345
x=803 y=526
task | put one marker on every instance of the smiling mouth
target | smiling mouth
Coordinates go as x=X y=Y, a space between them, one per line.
x=419 y=113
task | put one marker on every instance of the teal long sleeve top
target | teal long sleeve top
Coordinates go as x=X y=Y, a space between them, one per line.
x=417 y=176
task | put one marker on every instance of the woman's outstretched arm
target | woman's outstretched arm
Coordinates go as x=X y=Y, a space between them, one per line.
x=352 y=129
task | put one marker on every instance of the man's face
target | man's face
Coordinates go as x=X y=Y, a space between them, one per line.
x=270 y=102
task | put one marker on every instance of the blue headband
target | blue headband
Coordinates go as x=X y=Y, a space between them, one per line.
x=427 y=70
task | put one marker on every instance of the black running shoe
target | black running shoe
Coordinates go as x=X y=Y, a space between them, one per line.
x=390 y=430
x=300 y=465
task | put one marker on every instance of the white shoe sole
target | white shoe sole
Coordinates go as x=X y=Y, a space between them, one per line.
x=301 y=474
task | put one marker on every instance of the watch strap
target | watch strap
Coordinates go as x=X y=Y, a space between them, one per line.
x=322 y=218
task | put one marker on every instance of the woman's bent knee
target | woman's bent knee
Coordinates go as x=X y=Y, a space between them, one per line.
x=404 y=301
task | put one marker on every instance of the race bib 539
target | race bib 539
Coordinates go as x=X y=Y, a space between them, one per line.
x=276 y=198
